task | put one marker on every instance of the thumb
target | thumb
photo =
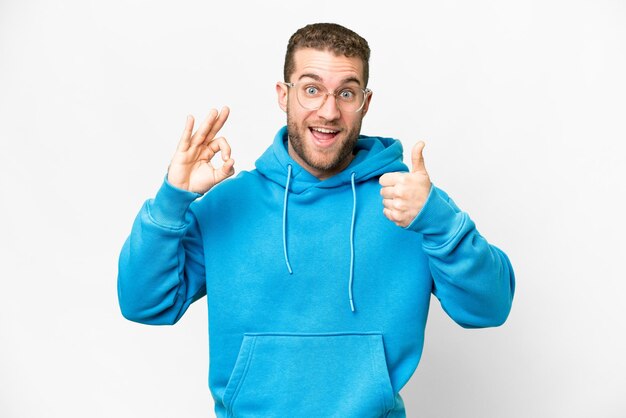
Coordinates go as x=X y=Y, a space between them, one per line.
x=417 y=158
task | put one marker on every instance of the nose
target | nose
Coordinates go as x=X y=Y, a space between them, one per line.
x=329 y=109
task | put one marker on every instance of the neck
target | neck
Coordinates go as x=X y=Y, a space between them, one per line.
x=321 y=174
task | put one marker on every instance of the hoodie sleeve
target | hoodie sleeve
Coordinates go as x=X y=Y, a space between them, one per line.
x=161 y=265
x=473 y=280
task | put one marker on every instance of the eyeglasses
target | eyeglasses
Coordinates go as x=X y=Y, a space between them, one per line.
x=312 y=96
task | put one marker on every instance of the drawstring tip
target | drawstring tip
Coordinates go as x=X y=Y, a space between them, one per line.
x=351 y=305
x=289 y=269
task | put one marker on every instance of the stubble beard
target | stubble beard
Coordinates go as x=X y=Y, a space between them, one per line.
x=332 y=160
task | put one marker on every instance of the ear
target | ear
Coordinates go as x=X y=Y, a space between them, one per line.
x=366 y=105
x=282 y=92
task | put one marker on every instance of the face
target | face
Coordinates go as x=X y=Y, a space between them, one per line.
x=322 y=140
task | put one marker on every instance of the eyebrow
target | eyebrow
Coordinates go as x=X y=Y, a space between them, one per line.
x=318 y=78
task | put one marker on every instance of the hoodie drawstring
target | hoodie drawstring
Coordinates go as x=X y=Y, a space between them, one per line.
x=352 y=223
x=285 y=219
x=350 y=296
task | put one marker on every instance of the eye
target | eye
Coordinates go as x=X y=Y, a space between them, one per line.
x=347 y=95
x=311 y=90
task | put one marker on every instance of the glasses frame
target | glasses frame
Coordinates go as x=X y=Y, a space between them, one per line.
x=366 y=92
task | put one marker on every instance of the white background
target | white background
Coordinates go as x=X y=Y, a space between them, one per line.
x=522 y=106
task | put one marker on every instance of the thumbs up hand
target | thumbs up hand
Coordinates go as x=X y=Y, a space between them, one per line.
x=404 y=194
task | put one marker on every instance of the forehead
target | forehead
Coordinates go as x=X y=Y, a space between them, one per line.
x=326 y=66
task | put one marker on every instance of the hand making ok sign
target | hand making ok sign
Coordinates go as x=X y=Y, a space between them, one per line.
x=191 y=168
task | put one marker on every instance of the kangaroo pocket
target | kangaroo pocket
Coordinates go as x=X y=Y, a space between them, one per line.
x=310 y=375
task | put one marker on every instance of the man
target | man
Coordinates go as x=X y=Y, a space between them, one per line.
x=319 y=264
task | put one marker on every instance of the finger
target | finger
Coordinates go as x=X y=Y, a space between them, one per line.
x=390 y=214
x=200 y=136
x=218 y=123
x=417 y=157
x=220 y=145
x=390 y=179
x=388 y=192
x=183 y=144
x=226 y=170
x=389 y=204
x=396 y=205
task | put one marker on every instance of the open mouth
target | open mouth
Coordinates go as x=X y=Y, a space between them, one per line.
x=323 y=137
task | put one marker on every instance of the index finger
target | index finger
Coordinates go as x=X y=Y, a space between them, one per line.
x=390 y=179
x=220 y=145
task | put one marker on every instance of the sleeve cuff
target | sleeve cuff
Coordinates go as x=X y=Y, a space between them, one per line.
x=170 y=205
x=438 y=221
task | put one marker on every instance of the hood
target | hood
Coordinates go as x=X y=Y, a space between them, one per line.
x=374 y=156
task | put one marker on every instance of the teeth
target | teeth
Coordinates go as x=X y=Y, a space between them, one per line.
x=325 y=131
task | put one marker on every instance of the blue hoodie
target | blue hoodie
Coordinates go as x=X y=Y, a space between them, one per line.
x=317 y=303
